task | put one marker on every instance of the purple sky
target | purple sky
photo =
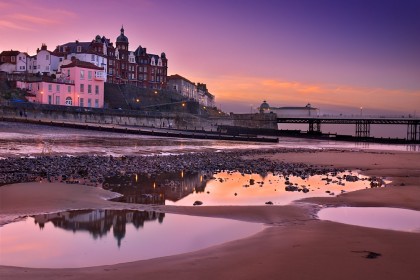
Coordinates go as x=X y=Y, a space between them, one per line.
x=337 y=55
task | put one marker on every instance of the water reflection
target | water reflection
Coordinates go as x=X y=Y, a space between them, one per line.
x=156 y=189
x=84 y=238
x=99 y=222
x=233 y=188
x=374 y=217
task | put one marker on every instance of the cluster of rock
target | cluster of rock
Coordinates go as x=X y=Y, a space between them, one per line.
x=92 y=170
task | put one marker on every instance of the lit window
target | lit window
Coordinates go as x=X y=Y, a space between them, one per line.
x=69 y=101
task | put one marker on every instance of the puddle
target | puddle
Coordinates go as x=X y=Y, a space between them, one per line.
x=374 y=217
x=231 y=188
x=102 y=237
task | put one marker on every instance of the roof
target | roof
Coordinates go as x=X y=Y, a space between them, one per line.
x=178 y=77
x=72 y=47
x=82 y=64
x=9 y=53
x=122 y=38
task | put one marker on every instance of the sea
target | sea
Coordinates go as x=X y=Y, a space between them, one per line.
x=20 y=139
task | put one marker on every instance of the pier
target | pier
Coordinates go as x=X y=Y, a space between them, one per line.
x=362 y=124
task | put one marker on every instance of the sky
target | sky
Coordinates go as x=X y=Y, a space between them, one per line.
x=337 y=55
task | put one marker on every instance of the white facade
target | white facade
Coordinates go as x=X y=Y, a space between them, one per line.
x=7 y=67
x=22 y=60
x=47 y=62
x=31 y=64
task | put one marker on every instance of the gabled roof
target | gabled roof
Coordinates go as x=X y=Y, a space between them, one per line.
x=82 y=64
x=178 y=77
x=9 y=53
x=72 y=47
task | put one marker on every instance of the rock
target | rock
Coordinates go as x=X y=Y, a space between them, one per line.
x=198 y=202
x=269 y=203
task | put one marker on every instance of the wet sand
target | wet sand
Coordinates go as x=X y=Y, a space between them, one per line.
x=294 y=245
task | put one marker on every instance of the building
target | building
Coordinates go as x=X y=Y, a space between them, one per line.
x=205 y=98
x=8 y=61
x=22 y=60
x=190 y=90
x=78 y=83
x=182 y=86
x=306 y=111
x=121 y=65
x=44 y=62
x=94 y=52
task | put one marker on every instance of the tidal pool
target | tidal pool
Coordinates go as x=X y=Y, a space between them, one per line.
x=103 y=237
x=374 y=217
x=232 y=188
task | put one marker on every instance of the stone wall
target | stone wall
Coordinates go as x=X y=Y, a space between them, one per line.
x=173 y=120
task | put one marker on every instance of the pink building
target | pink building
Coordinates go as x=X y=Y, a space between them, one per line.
x=79 y=84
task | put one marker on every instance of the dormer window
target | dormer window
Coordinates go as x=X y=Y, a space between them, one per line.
x=79 y=49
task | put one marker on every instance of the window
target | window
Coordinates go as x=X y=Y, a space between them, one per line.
x=82 y=102
x=13 y=59
x=79 y=48
x=68 y=89
x=49 y=99
x=89 y=75
x=82 y=74
x=96 y=103
x=57 y=88
x=89 y=102
x=49 y=87
x=90 y=89
x=68 y=72
x=96 y=89
x=82 y=88
x=69 y=101
x=92 y=57
x=47 y=57
x=57 y=100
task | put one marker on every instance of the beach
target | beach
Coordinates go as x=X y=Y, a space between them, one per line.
x=294 y=244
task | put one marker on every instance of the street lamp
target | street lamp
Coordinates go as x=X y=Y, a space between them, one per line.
x=361 y=111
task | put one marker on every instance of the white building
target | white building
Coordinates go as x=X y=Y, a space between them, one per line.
x=94 y=52
x=22 y=60
x=183 y=86
x=47 y=62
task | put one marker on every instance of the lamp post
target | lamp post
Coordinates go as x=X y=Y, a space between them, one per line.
x=361 y=111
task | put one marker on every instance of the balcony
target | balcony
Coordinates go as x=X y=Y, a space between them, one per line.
x=100 y=76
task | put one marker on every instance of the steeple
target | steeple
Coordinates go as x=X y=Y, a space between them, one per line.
x=122 y=38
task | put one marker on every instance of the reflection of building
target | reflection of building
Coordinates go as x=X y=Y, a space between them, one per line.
x=305 y=111
x=99 y=222
x=143 y=189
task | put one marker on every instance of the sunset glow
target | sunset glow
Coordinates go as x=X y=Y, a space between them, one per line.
x=334 y=55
